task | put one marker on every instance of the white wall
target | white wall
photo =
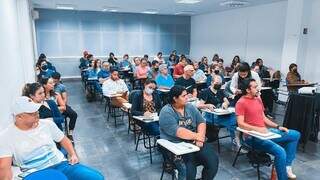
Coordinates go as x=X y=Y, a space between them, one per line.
x=249 y=32
x=15 y=44
x=309 y=62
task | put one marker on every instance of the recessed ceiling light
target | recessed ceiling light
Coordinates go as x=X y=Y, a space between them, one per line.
x=234 y=3
x=185 y=13
x=110 y=9
x=65 y=6
x=150 y=11
x=188 y=1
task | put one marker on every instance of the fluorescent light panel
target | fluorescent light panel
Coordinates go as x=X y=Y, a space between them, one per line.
x=150 y=11
x=188 y=1
x=65 y=6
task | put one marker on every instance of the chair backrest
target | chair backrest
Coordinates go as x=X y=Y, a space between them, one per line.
x=132 y=93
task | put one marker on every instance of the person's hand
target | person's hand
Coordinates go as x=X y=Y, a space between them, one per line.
x=262 y=130
x=147 y=114
x=281 y=128
x=199 y=144
x=225 y=105
x=200 y=137
x=211 y=107
x=73 y=159
x=238 y=91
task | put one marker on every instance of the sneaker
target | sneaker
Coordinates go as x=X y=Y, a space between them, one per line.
x=290 y=173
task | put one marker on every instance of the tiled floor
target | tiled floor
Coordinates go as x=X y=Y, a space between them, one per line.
x=112 y=151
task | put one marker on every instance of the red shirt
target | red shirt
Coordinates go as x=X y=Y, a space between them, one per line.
x=252 y=109
x=178 y=70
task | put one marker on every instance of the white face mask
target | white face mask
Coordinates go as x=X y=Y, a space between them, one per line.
x=148 y=90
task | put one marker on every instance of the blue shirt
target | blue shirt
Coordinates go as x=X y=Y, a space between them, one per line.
x=60 y=88
x=103 y=74
x=164 y=81
x=125 y=63
x=93 y=73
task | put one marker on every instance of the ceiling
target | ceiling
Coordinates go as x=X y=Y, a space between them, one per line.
x=138 y=6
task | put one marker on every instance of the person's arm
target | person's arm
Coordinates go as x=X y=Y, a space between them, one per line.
x=243 y=125
x=5 y=168
x=61 y=103
x=202 y=132
x=194 y=92
x=186 y=134
x=234 y=83
x=67 y=145
x=225 y=103
x=64 y=97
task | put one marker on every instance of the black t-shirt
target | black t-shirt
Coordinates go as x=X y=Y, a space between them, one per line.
x=189 y=84
x=211 y=98
x=44 y=112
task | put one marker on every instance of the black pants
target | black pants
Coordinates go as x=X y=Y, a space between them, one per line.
x=72 y=115
x=206 y=157
x=267 y=99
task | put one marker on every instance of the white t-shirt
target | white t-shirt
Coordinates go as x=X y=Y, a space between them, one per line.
x=112 y=87
x=34 y=149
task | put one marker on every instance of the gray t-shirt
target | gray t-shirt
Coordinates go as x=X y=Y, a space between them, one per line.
x=170 y=121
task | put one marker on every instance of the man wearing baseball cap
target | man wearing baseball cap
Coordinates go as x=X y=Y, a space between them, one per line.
x=30 y=144
x=187 y=81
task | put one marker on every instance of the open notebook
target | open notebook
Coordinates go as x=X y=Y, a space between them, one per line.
x=178 y=148
x=264 y=136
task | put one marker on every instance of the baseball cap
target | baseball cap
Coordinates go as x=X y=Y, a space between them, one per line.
x=188 y=68
x=24 y=104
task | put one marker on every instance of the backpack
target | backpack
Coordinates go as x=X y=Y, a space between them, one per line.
x=260 y=158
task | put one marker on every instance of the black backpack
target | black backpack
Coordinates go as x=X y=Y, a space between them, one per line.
x=260 y=158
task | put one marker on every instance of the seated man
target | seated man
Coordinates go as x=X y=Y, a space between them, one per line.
x=164 y=79
x=125 y=63
x=115 y=85
x=104 y=73
x=178 y=68
x=60 y=88
x=199 y=75
x=182 y=122
x=211 y=98
x=187 y=81
x=293 y=77
x=251 y=117
x=154 y=70
x=32 y=147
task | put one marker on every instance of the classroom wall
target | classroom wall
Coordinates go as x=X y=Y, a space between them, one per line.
x=16 y=43
x=250 y=32
x=63 y=35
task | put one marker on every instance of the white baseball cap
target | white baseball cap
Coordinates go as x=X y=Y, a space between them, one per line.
x=24 y=104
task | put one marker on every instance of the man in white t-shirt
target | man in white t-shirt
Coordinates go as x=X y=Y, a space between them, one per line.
x=115 y=86
x=30 y=144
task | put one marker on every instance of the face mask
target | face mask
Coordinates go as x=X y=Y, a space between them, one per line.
x=217 y=86
x=156 y=69
x=44 y=67
x=294 y=70
x=148 y=91
x=216 y=71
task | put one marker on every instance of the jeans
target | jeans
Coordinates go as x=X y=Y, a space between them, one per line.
x=77 y=171
x=228 y=121
x=283 y=149
x=70 y=113
x=206 y=157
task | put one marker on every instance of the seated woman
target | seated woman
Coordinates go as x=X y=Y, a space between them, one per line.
x=146 y=103
x=211 y=98
x=49 y=109
x=142 y=69
x=50 y=94
x=104 y=73
x=182 y=122
x=29 y=142
x=93 y=75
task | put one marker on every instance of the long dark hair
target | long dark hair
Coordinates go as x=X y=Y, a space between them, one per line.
x=175 y=92
x=30 y=89
x=43 y=82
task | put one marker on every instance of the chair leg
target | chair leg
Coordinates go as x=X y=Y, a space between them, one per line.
x=150 y=150
x=236 y=158
x=137 y=143
x=258 y=171
x=162 y=172
x=218 y=145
